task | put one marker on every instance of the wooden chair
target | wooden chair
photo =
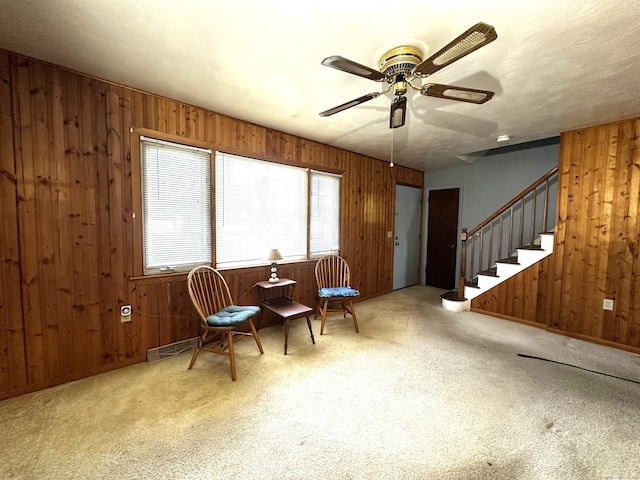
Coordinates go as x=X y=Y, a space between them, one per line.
x=210 y=295
x=335 y=294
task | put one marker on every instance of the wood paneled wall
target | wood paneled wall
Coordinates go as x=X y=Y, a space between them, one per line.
x=66 y=258
x=597 y=244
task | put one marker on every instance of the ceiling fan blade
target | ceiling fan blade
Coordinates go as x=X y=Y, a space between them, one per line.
x=451 y=92
x=349 y=66
x=352 y=103
x=474 y=38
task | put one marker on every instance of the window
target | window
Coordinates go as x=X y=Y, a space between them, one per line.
x=259 y=205
x=176 y=206
x=325 y=214
x=262 y=205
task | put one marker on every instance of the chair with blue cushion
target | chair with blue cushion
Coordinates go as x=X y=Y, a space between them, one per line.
x=219 y=317
x=335 y=294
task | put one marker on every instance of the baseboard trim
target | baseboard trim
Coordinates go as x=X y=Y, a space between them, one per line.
x=586 y=338
x=510 y=318
x=600 y=341
x=53 y=382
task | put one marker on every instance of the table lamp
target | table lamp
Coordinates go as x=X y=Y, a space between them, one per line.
x=273 y=257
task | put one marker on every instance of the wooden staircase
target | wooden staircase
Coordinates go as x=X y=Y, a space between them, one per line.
x=523 y=258
x=487 y=255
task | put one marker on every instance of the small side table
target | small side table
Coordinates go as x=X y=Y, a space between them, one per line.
x=283 y=305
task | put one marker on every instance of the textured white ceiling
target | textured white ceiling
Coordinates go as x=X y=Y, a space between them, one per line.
x=557 y=65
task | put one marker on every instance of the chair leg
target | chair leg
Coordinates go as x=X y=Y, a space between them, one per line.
x=193 y=357
x=232 y=356
x=255 y=335
x=197 y=350
x=353 y=315
x=324 y=315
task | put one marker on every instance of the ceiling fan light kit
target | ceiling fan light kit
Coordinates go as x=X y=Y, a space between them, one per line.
x=401 y=66
x=398 y=112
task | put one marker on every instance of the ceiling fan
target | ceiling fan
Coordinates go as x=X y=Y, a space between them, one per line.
x=401 y=66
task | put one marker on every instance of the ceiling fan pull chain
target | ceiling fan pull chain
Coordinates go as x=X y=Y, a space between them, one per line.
x=391 y=165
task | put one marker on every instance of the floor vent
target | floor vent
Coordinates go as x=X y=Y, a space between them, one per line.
x=171 y=350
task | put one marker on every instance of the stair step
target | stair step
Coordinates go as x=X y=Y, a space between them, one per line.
x=452 y=296
x=530 y=247
x=489 y=273
x=511 y=261
x=508 y=267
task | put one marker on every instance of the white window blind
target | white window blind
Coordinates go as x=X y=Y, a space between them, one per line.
x=176 y=193
x=259 y=205
x=324 y=236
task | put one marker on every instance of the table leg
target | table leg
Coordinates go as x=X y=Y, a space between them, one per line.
x=286 y=334
x=313 y=340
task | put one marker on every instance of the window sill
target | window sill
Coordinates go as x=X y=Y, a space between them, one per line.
x=182 y=276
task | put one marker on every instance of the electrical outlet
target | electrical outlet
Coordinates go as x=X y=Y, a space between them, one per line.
x=125 y=313
x=607 y=304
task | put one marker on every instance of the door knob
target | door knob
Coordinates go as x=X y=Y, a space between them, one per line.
x=453 y=245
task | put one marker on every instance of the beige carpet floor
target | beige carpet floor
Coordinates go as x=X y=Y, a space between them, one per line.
x=420 y=393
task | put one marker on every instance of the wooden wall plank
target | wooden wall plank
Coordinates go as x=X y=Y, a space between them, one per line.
x=25 y=158
x=606 y=232
x=108 y=326
x=62 y=134
x=13 y=366
x=86 y=267
x=573 y=237
x=625 y=239
x=633 y=333
x=542 y=313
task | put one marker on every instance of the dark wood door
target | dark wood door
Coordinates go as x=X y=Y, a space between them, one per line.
x=442 y=237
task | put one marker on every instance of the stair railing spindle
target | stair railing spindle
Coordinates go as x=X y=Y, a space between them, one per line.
x=499 y=238
x=546 y=205
x=490 y=256
x=533 y=218
x=480 y=251
x=521 y=222
x=462 y=279
x=471 y=259
x=510 y=233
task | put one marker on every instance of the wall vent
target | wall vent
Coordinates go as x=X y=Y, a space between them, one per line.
x=171 y=350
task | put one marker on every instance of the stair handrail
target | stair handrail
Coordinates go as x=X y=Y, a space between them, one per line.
x=466 y=233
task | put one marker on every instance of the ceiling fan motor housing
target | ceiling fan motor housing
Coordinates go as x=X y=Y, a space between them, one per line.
x=400 y=60
x=397 y=63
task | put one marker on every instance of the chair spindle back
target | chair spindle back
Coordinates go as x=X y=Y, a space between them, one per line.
x=208 y=291
x=332 y=271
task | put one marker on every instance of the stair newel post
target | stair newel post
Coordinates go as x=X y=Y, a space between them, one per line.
x=463 y=263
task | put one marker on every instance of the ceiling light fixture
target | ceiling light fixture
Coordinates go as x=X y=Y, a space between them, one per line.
x=398 y=112
x=503 y=138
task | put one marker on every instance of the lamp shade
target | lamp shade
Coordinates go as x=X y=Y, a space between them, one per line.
x=273 y=255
